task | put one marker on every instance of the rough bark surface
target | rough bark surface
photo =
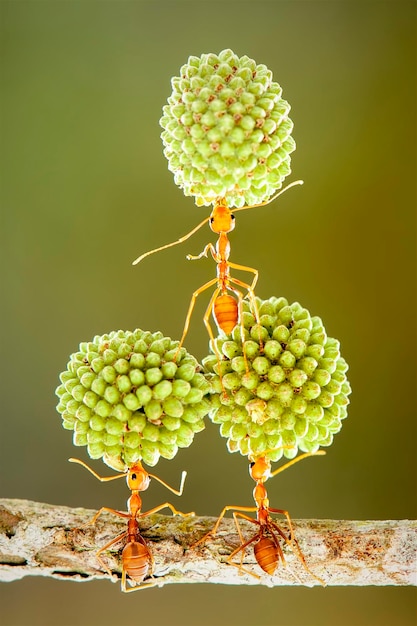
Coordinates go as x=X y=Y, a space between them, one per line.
x=39 y=539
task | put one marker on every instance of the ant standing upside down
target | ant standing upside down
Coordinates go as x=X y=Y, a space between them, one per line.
x=225 y=307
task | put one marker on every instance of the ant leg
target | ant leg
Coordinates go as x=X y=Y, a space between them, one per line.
x=251 y=296
x=209 y=248
x=276 y=541
x=206 y=319
x=100 y=511
x=213 y=531
x=292 y=542
x=272 y=528
x=240 y=566
x=287 y=515
x=138 y=586
x=242 y=326
x=237 y=514
x=210 y=310
x=151 y=583
x=250 y=288
x=243 y=544
x=106 y=547
x=163 y=506
x=246 y=268
x=253 y=305
x=190 y=312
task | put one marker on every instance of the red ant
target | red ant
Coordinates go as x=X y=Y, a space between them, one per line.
x=137 y=560
x=267 y=549
x=226 y=310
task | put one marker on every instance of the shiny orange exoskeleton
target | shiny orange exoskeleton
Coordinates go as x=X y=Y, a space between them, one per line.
x=226 y=302
x=225 y=307
x=270 y=538
x=137 y=560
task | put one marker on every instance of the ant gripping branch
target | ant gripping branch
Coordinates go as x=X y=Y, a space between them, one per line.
x=137 y=560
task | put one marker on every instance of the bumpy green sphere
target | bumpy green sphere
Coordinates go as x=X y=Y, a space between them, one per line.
x=227 y=133
x=127 y=398
x=289 y=392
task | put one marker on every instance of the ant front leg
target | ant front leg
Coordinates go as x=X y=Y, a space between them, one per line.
x=100 y=511
x=209 y=248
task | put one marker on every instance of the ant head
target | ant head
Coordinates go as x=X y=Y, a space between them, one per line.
x=260 y=469
x=138 y=478
x=221 y=219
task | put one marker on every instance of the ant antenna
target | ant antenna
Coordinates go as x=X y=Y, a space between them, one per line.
x=254 y=206
x=173 y=243
x=297 y=458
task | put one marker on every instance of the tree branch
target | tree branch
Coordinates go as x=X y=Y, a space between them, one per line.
x=44 y=540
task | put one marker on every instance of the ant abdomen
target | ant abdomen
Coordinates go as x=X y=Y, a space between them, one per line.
x=226 y=312
x=266 y=554
x=137 y=560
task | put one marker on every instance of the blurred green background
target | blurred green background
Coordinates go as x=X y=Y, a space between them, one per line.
x=85 y=190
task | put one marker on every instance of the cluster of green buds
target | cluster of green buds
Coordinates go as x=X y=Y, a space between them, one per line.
x=131 y=396
x=227 y=133
x=283 y=388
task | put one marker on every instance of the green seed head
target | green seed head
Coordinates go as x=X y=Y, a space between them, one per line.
x=127 y=400
x=227 y=133
x=292 y=393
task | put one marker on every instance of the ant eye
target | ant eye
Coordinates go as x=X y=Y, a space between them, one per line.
x=252 y=464
x=133 y=476
x=232 y=216
x=211 y=220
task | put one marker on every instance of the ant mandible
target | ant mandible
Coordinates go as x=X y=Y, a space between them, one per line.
x=267 y=549
x=137 y=560
x=225 y=308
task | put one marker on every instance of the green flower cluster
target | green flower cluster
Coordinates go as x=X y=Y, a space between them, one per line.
x=227 y=133
x=131 y=396
x=284 y=388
